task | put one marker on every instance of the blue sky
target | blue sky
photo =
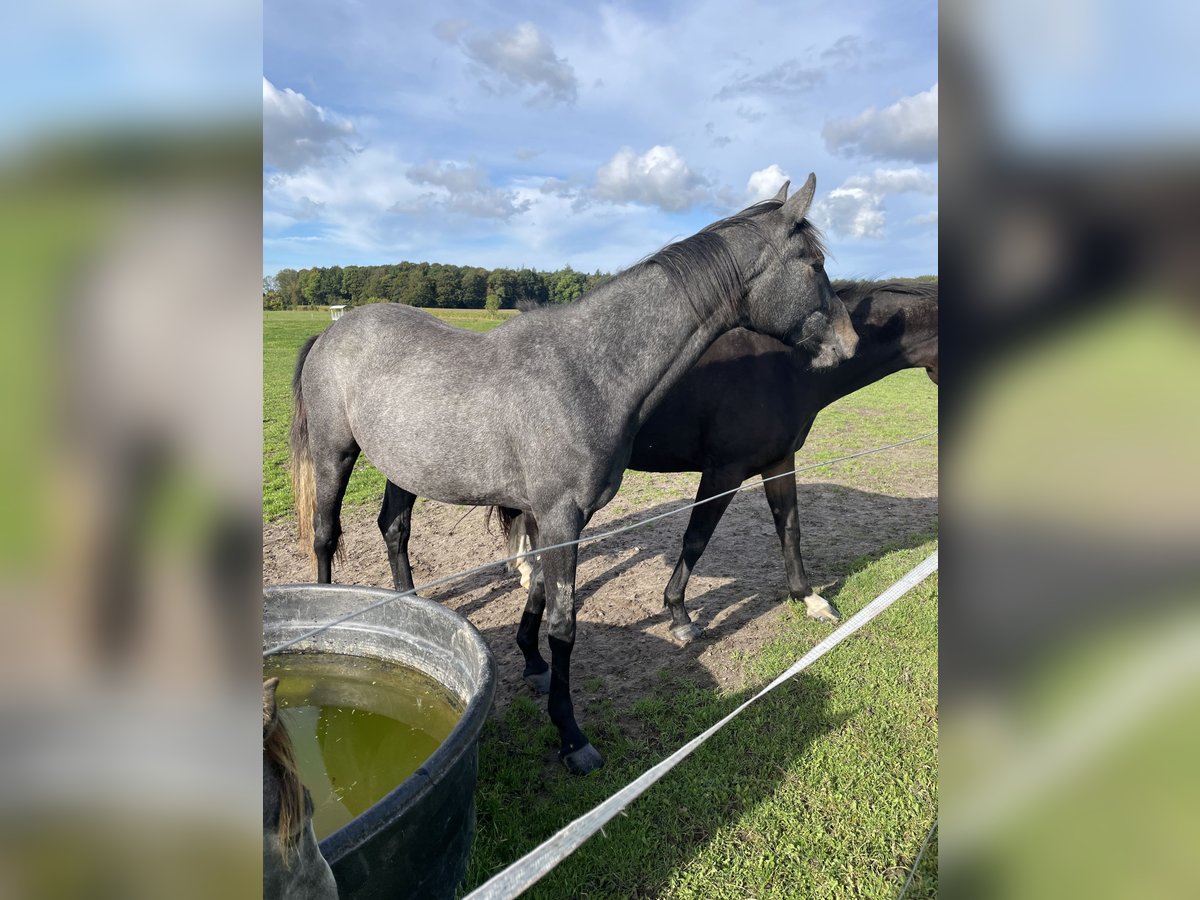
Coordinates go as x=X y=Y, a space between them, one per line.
x=540 y=134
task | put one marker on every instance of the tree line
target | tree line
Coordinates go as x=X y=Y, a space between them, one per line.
x=424 y=284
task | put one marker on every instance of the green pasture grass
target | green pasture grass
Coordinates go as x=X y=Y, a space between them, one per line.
x=825 y=788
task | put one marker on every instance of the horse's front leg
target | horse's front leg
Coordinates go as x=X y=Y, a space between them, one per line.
x=701 y=525
x=558 y=569
x=781 y=497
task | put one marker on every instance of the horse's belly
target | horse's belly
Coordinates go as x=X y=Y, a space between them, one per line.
x=441 y=464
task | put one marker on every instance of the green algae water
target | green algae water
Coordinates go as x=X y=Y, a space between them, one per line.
x=359 y=727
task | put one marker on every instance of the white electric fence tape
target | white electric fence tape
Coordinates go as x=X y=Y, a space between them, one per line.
x=526 y=871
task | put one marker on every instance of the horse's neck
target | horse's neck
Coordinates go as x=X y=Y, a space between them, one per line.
x=652 y=337
x=876 y=358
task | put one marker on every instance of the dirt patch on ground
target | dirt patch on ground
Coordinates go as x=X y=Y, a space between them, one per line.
x=622 y=642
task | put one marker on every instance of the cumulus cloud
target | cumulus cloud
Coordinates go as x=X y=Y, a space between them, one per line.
x=375 y=202
x=791 y=77
x=516 y=60
x=765 y=183
x=856 y=208
x=908 y=129
x=659 y=177
x=465 y=189
x=297 y=132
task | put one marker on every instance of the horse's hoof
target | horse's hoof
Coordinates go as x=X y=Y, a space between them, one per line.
x=687 y=633
x=817 y=607
x=586 y=759
x=540 y=682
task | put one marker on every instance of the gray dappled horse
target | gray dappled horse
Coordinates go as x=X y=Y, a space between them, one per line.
x=293 y=867
x=540 y=414
x=747 y=406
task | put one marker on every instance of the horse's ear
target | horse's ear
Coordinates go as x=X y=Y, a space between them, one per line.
x=269 y=688
x=782 y=195
x=795 y=209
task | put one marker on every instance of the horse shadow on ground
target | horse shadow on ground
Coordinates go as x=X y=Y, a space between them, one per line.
x=742 y=567
x=524 y=795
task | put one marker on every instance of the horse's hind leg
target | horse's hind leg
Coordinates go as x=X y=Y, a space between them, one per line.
x=332 y=466
x=537 y=672
x=781 y=497
x=558 y=567
x=395 y=524
x=701 y=526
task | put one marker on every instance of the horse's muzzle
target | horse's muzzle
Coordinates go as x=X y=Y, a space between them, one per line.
x=842 y=344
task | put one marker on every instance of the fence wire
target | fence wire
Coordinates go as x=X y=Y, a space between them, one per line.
x=583 y=539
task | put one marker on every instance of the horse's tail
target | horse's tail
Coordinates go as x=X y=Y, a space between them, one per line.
x=515 y=530
x=304 y=485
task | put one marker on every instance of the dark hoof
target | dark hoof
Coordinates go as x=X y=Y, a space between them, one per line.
x=539 y=682
x=685 y=634
x=586 y=759
x=817 y=607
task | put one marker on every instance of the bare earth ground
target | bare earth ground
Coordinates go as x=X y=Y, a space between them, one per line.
x=622 y=639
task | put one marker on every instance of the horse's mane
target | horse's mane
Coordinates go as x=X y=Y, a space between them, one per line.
x=278 y=752
x=867 y=301
x=855 y=290
x=703 y=265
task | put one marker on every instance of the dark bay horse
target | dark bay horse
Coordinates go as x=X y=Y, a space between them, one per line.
x=748 y=406
x=744 y=410
x=540 y=414
x=293 y=867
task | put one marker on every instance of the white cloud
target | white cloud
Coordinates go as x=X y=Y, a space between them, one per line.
x=856 y=209
x=908 y=129
x=297 y=132
x=927 y=218
x=765 y=183
x=515 y=60
x=659 y=177
x=465 y=189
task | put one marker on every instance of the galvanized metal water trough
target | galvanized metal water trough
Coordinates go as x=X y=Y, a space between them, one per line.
x=414 y=842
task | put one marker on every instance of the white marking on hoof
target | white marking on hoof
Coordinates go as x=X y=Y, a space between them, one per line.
x=817 y=607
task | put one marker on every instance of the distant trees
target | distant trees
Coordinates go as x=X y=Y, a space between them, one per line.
x=424 y=284
x=430 y=285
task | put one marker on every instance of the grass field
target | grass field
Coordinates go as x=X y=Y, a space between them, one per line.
x=825 y=789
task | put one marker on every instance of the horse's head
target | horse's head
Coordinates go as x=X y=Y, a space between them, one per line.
x=789 y=295
x=897 y=322
x=293 y=867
